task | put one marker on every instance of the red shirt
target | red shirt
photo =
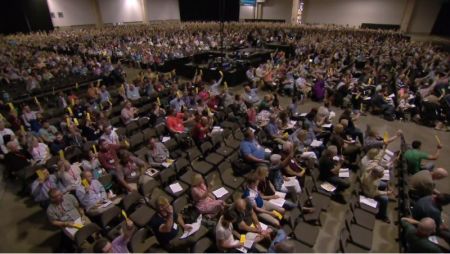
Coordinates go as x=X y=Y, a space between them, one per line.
x=109 y=159
x=199 y=132
x=175 y=123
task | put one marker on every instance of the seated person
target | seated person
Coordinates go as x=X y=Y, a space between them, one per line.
x=373 y=140
x=128 y=113
x=109 y=160
x=109 y=135
x=251 y=151
x=302 y=143
x=329 y=171
x=345 y=146
x=431 y=206
x=92 y=195
x=59 y=143
x=166 y=224
x=200 y=132
x=273 y=131
x=91 y=163
x=370 y=160
x=417 y=234
x=415 y=156
x=133 y=92
x=224 y=233
x=373 y=187
x=175 y=122
x=17 y=161
x=278 y=170
x=245 y=217
x=42 y=185
x=261 y=205
x=39 y=151
x=177 y=103
x=281 y=244
x=65 y=212
x=47 y=132
x=250 y=95
x=69 y=175
x=157 y=154
x=132 y=171
x=119 y=244
x=205 y=202
x=422 y=183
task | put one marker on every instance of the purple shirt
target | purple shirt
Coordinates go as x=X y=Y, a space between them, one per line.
x=119 y=245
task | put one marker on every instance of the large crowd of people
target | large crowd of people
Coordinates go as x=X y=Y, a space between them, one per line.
x=248 y=165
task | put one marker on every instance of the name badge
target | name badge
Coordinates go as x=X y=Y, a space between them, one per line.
x=133 y=174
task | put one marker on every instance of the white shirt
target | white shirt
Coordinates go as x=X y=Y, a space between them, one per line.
x=225 y=234
x=112 y=138
x=4 y=132
x=40 y=152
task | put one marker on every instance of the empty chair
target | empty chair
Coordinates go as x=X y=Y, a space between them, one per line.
x=299 y=247
x=358 y=234
x=89 y=230
x=155 y=194
x=346 y=246
x=147 y=188
x=143 y=122
x=111 y=221
x=204 y=245
x=132 y=127
x=139 y=213
x=168 y=177
x=228 y=177
x=197 y=163
x=362 y=217
x=214 y=182
x=306 y=233
x=181 y=164
x=174 y=148
x=161 y=129
x=142 y=241
x=136 y=140
x=214 y=158
x=149 y=133
x=187 y=176
x=121 y=132
x=319 y=200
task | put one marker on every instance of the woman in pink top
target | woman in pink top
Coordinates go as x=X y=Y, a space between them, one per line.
x=205 y=202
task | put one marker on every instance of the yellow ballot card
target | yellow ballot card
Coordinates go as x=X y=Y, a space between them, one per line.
x=279 y=215
x=242 y=239
x=124 y=214
x=437 y=139
x=40 y=173
x=85 y=183
x=61 y=154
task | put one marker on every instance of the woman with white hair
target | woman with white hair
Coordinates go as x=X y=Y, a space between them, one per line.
x=373 y=187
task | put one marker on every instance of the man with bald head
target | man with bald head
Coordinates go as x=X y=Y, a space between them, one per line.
x=422 y=183
x=92 y=195
x=417 y=237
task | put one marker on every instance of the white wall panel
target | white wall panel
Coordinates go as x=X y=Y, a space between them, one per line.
x=277 y=9
x=353 y=12
x=424 y=16
x=115 y=11
x=163 y=10
x=76 y=12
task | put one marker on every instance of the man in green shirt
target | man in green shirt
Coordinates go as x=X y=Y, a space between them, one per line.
x=414 y=158
x=417 y=238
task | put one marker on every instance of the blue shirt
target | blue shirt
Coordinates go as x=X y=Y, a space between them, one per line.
x=281 y=236
x=272 y=129
x=252 y=148
x=95 y=194
x=176 y=104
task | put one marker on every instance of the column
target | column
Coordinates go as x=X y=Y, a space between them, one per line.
x=407 y=15
x=98 y=14
x=294 y=14
x=144 y=11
